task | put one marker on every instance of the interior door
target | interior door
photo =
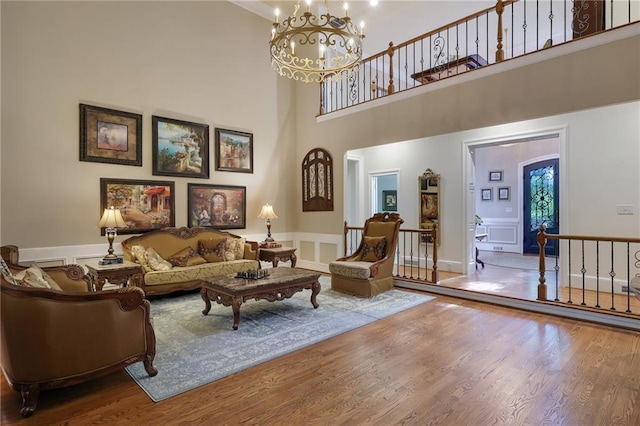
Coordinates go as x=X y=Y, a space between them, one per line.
x=541 y=204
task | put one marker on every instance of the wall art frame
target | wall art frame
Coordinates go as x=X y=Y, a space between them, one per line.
x=145 y=204
x=110 y=136
x=390 y=200
x=217 y=206
x=504 y=193
x=496 y=176
x=179 y=148
x=233 y=151
x=486 y=194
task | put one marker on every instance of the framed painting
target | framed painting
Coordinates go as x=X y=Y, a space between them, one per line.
x=486 y=194
x=390 y=200
x=495 y=176
x=234 y=151
x=504 y=193
x=110 y=136
x=217 y=206
x=145 y=204
x=180 y=148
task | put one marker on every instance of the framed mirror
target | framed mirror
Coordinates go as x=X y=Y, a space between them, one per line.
x=429 y=202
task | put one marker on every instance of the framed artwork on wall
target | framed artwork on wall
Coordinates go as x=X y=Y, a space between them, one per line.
x=495 y=176
x=110 y=136
x=504 y=193
x=217 y=206
x=390 y=200
x=234 y=151
x=180 y=148
x=486 y=194
x=145 y=204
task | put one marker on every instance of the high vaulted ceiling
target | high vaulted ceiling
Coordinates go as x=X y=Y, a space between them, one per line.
x=389 y=20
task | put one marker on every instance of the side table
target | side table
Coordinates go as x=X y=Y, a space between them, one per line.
x=278 y=254
x=121 y=274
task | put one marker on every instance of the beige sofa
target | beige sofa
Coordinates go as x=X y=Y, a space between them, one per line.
x=175 y=259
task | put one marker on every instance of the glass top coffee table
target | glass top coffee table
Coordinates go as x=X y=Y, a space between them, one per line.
x=282 y=283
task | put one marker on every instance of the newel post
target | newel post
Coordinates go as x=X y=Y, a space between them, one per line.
x=499 y=52
x=345 y=230
x=542 y=242
x=391 y=87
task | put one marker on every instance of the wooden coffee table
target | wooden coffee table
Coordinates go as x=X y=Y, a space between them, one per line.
x=281 y=284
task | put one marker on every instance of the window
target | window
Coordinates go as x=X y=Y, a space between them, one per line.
x=317 y=181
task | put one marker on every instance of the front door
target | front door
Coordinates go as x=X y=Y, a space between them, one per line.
x=541 y=195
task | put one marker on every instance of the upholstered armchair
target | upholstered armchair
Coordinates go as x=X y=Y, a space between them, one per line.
x=54 y=338
x=368 y=271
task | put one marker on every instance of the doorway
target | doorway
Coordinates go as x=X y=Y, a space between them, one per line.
x=383 y=188
x=500 y=202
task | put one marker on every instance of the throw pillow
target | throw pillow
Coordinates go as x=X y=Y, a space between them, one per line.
x=230 y=248
x=212 y=249
x=155 y=261
x=374 y=248
x=186 y=257
x=139 y=253
x=34 y=276
x=240 y=242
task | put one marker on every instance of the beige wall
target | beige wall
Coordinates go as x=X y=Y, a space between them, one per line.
x=184 y=60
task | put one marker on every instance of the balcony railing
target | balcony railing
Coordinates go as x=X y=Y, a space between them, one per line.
x=507 y=30
x=601 y=273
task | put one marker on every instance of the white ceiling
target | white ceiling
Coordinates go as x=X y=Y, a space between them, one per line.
x=389 y=20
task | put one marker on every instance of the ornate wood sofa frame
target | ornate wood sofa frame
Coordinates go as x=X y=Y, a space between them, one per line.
x=168 y=241
x=52 y=338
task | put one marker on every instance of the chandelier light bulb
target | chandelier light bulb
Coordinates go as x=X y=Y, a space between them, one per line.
x=346 y=9
x=277 y=15
x=361 y=28
x=293 y=47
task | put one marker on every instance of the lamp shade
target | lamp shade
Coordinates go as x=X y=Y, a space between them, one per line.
x=112 y=218
x=267 y=212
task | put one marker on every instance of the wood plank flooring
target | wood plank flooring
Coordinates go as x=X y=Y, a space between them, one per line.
x=446 y=362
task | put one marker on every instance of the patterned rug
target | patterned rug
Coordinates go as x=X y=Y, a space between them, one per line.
x=193 y=350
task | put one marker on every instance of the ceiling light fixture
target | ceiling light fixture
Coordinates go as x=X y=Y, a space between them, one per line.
x=310 y=48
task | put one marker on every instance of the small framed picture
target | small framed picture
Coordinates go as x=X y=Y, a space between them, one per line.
x=217 y=206
x=234 y=151
x=110 y=136
x=180 y=148
x=145 y=204
x=495 y=176
x=486 y=194
x=504 y=193
x=390 y=200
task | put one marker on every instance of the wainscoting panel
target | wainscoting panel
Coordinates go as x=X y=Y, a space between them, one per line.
x=502 y=235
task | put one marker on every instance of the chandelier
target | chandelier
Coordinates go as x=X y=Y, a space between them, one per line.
x=310 y=48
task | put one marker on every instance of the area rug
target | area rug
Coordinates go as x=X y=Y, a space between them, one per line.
x=193 y=350
x=514 y=260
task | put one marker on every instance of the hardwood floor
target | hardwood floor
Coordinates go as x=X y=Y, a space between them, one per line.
x=446 y=362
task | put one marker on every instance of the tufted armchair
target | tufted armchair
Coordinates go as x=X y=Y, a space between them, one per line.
x=53 y=338
x=368 y=271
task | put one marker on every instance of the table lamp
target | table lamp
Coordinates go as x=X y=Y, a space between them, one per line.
x=268 y=214
x=111 y=219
